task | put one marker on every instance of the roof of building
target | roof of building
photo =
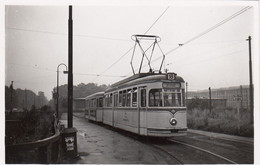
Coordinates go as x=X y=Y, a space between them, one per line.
x=223 y=88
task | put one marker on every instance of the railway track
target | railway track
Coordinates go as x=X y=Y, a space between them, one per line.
x=188 y=151
x=187 y=158
x=160 y=144
x=204 y=150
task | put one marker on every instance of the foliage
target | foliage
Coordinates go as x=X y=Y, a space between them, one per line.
x=31 y=126
x=18 y=98
x=198 y=103
x=221 y=121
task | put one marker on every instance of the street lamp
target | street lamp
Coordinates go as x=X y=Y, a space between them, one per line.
x=57 y=105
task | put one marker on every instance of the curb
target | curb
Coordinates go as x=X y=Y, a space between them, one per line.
x=240 y=139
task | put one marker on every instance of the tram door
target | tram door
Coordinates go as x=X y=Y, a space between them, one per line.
x=142 y=111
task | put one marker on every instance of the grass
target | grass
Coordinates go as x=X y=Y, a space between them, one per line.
x=221 y=121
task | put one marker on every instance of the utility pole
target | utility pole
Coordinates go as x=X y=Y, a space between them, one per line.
x=209 y=99
x=69 y=135
x=238 y=99
x=251 y=95
x=11 y=87
x=241 y=94
x=186 y=90
x=25 y=94
x=70 y=76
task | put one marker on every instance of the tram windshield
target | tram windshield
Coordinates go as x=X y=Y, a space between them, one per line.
x=172 y=97
x=166 y=98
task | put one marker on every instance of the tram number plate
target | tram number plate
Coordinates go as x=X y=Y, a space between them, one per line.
x=171 y=76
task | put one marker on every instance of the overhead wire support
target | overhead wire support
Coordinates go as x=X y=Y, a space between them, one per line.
x=153 y=49
x=162 y=59
x=143 y=52
x=133 y=47
x=132 y=60
x=155 y=40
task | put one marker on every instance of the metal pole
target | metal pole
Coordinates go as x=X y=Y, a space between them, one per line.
x=25 y=99
x=11 y=87
x=57 y=94
x=70 y=76
x=69 y=135
x=251 y=96
x=57 y=106
x=209 y=99
x=186 y=90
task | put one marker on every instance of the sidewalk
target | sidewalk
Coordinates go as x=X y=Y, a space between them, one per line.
x=100 y=145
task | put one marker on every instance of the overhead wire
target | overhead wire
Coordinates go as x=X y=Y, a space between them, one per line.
x=206 y=31
x=54 y=71
x=101 y=74
x=214 y=58
x=65 y=34
x=201 y=54
x=133 y=46
x=89 y=74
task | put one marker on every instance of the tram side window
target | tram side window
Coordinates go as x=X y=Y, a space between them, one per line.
x=128 y=97
x=155 y=97
x=183 y=97
x=120 y=98
x=110 y=100
x=100 y=102
x=87 y=104
x=124 y=99
x=116 y=99
x=90 y=103
x=107 y=100
x=143 y=97
x=93 y=103
x=134 y=97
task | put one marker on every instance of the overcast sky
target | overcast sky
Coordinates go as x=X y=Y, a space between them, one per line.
x=36 y=43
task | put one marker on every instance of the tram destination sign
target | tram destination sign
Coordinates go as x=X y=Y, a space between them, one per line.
x=171 y=85
x=171 y=76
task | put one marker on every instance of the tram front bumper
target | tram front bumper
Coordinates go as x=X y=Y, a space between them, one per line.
x=166 y=132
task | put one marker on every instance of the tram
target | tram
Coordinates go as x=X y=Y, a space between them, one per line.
x=148 y=104
x=94 y=107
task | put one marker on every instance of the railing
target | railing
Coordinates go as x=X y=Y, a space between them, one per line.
x=41 y=151
x=47 y=150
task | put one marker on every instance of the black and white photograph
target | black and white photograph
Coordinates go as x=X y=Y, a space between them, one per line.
x=130 y=82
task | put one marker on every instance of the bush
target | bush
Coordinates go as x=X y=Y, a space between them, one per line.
x=221 y=121
x=32 y=125
x=197 y=103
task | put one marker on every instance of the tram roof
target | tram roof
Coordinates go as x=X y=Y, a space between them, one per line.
x=142 y=78
x=95 y=95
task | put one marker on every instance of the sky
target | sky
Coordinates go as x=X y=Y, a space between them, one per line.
x=36 y=42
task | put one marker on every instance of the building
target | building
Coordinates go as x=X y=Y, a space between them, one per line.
x=79 y=104
x=234 y=95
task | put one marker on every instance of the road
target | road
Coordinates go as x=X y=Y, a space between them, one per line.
x=99 y=144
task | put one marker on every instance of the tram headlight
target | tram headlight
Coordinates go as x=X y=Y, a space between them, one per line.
x=173 y=121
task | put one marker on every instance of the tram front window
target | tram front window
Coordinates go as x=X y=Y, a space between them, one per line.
x=172 y=98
